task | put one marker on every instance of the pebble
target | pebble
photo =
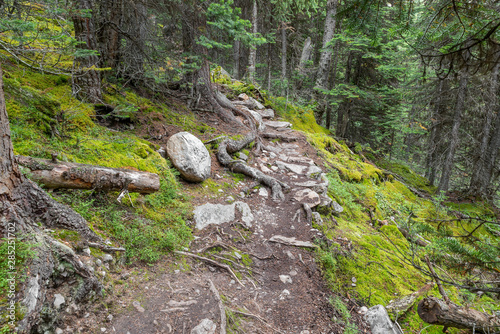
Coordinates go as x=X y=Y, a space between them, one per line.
x=107 y=258
x=58 y=301
x=103 y=329
x=59 y=331
x=110 y=317
x=98 y=262
x=363 y=310
x=138 y=306
x=286 y=279
x=87 y=251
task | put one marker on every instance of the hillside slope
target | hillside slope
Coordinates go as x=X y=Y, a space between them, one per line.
x=359 y=258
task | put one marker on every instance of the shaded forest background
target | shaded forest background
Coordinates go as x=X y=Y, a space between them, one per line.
x=415 y=80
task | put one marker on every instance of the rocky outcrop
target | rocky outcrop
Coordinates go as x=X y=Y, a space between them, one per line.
x=379 y=321
x=216 y=214
x=189 y=156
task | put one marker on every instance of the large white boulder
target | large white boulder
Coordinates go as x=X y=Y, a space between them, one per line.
x=189 y=156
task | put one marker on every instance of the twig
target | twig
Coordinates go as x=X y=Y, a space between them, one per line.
x=438 y=281
x=224 y=266
x=256 y=317
x=215 y=139
x=216 y=244
x=223 y=319
x=106 y=248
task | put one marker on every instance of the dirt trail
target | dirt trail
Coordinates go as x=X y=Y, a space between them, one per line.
x=281 y=288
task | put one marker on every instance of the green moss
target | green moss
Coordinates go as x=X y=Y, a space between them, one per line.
x=409 y=176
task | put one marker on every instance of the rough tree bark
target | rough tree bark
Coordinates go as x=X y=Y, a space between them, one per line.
x=483 y=167
x=25 y=210
x=326 y=53
x=454 y=137
x=252 y=57
x=80 y=176
x=437 y=312
x=86 y=79
x=305 y=55
x=283 y=54
x=436 y=127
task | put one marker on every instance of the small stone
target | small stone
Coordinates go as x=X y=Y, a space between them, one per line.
x=98 y=262
x=305 y=332
x=242 y=194
x=263 y=192
x=220 y=190
x=243 y=97
x=107 y=258
x=363 y=310
x=238 y=255
x=243 y=156
x=284 y=294
x=206 y=326
x=230 y=199
x=353 y=285
x=87 y=251
x=110 y=317
x=59 y=331
x=317 y=218
x=58 y=301
x=232 y=282
x=155 y=322
x=293 y=273
x=307 y=196
x=103 y=329
x=337 y=207
x=274 y=168
x=286 y=279
x=290 y=255
x=353 y=279
x=272 y=155
x=138 y=307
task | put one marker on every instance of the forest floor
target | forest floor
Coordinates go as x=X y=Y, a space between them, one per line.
x=281 y=288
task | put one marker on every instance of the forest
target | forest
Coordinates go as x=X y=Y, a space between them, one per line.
x=355 y=141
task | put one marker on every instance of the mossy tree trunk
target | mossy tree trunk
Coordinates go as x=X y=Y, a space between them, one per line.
x=25 y=211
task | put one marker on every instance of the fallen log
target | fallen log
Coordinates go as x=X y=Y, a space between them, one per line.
x=435 y=311
x=55 y=174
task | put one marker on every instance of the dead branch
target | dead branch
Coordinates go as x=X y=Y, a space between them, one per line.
x=223 y=319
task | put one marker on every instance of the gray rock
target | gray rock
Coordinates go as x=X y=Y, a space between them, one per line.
x=107 y=258
x=243 y=97
x=303 y=160
x=138 y=307
x=59 y=331
x=320 y=188
x=363 y=310
x=379 y=321
x=266 y=113
x=161 y=151
x=317 y=218
x=206 y=326
x=98 y=262
x=217 y=214
x=337 y=207
x=263 y=192
x=257 y=104
x=286 y=279
x=58 y=301
x=243 y=156
x=278 y=124
x=313 y=170
x=307 y=196
x=189 y=156
x=87 y=251
x=297 y=169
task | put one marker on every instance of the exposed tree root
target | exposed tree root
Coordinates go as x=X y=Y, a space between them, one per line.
x=215 y=263
x=222 y=310
x=229 y=146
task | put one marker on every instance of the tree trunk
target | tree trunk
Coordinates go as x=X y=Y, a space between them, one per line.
x=86 y=79
x=326 y=53
x=283 y=56
x=111 y=14
x=435 y=136
x=56 y=175
x=236 y=59
x=25 y=210
x=10 y=177
x=252 y=57
x=483 y=166
x=454 y=137
x=437 y=312
x=344 y=109
x=305 y=56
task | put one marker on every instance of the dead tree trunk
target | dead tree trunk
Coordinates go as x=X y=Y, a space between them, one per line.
x=25 y=210
x=80 y=176
x=437 y=312
x=326 y=52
